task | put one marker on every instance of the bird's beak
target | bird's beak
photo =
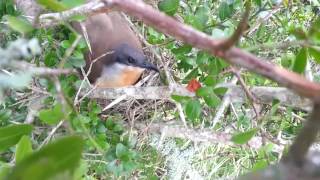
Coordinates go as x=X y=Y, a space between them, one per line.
x=150 y=66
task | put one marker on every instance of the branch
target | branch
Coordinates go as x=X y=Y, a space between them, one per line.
x=40 y=71
x=226 y=101
x=236 y=94
x=91 y=8
x=170 y=26
x=240 y=29
x=195 y=135
x=252 y=99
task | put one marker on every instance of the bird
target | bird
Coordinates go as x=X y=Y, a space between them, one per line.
x=122 y=60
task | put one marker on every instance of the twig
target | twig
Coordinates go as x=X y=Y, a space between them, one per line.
x=196 y=135
x=198 y=39
x=257 y=25
x=223 y=105
x=181 y=114
x=242 y=26
x=41 y=71
x=121 y=98
x=69 y=51
x=85 y=78
x=251 y=97
x=265 y=95
x=281 y=45
x=52 y=132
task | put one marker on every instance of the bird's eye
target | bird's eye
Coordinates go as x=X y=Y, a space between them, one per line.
x=131 y=60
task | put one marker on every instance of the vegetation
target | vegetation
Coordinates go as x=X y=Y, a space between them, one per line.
x=48 y=132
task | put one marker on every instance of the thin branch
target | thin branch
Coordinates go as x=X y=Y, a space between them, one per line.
x=224 y=105
x=40 y=71
x=52 y=132
x=263 y=20
x=69 y=51
x=195 y=135
x=228 y=43
x=251 y=97
x=85 y=78
x=236 y=94
x=124 y=96
x=170 y=26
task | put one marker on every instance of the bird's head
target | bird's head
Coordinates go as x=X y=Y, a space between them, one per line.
x=129 y=56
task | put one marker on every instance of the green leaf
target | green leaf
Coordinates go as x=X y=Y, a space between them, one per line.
x=53 y=5
x=72 y=3
x=210 y=81
x=10 y=135
x=204 y=91
x=220 y=91
x=170 y=7
x=7 y=7
x=52 y=116
x=5 y=115
x=122 y=152
x=275 y=106
x=180 y=99
x=225 y=10
x=129 y=166
x=4 y=170
x=110 y=124
x=211 y=99
x=260 y=165
x=202 y=16
x=24 y=148
x=258 y=2
x=118 y=128
x=54 y=159
x=76 y=62
x=115 y=168
x=202 y=58
x=196 y=22
x=19 y=24
x=50 y=59
x=315 y=53
x=65 y=44
x=218 y=33
x=287 y=61
x=244 y=137
x=81 y=171
x=301 y=61
x=315 y=29
x=193 y=109
x=182 y=50
x=192 y=75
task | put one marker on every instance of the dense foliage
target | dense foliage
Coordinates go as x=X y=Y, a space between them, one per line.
x=77 y=140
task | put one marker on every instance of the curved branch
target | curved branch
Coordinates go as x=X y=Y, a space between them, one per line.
x=170 y=26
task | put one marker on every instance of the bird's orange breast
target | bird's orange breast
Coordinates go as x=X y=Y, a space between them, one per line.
x=125 y=77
